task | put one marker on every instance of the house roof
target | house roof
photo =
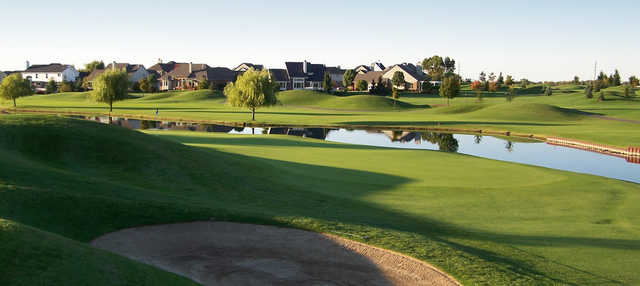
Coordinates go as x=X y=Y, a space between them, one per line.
x=369 y=76
x=248 y=65
x=411 y=69
x=379 y=65
x=279 y=74
x=178 y=70
x=315 y=72
x=54 y=68
x=129 y=68
x=294 y=69
x=216 y=74
x=335 y=70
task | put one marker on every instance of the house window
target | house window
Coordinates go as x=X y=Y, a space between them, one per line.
x=58 y=75
x=46 y=75
x=36 y=75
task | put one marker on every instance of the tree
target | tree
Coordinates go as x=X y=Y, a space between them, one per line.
x=492 y=77
x=450 y=87
x=479 y=95
x=627 y=91
x=435 y=67
x=511 y=93
x=348 y=77
x=395 y=96
x=548 y=91
x=483 y=77
x=509 y=80
x=144 y=85
x=601 y=96
x=576 y=80
x=203 y=83
x=524 y=82
x=449 y=65
x=633 y=81
x=327 y=84
x=66 y=86
x=427 y=87
x=52 y=87
x=94 y=65
x=111 y=86
x=252 y=89
x=398 y=79
x=616 y=79
x=500 y=80
x=476 y=85
x=588 y=91
x=597 y=85
x=362 y=85
x=15 y=86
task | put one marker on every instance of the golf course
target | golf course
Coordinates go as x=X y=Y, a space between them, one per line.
x=65 y=182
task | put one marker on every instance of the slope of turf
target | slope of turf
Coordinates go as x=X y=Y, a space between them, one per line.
x=483 y=221
x=32 y=257
x=309 y=98
x=528 y=111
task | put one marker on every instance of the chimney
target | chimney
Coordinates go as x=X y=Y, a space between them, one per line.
x=114 y=66
x=190 y=67
x=305 y=66
x=28 y=65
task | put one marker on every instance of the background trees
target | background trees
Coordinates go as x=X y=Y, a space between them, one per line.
x=203 y=83
x=327 y=84
x=94 y=65
x=524 y=82
x=398 y=79
x=66 y=86
x=251 y=90
x=348 y=77
x=588 y=91
x=437 y=67
x=633 y=81
x=576 y=80
x=111 y=86
x=450 y=87
x=511 y=93
x=14 y=86
x=548 y=91
x=509 y=80
x=51 y=86
x=362 y=85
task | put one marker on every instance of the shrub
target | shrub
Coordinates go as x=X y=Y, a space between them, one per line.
x=476 y=85
x=588 y=91
x=51 y=86
x=66 y=86
x=362 y=85
x=601 y=96
x=493 y=86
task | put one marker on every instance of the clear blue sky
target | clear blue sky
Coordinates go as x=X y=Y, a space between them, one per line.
x=539 y=40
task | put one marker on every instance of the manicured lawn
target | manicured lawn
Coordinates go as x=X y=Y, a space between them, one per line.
x=485 y=222
x=567 y=113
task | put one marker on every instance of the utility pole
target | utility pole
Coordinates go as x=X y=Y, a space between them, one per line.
x=595 y=70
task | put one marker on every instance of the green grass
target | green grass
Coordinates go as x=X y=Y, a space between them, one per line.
x=566 y=114
x=485 y=222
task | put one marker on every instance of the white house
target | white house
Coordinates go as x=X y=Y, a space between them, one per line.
x=2 y=75
x=135 y=72
x=41 y=74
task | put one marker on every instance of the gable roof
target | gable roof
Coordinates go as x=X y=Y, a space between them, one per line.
x=279 y=74
x=378 y=65
x=369 y=76
x=248 y=65
x=335 y=70
x=294 y=69
x=410 y=69
x=53 y=68
x=216 y=74
x=364 y=68
x=128 y=68
x=179 y=70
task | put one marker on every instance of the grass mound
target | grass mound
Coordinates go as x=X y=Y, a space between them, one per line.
x=29 y=256
x=528 y=112
x=316 y=99
x=180 y=96
x=458 y=109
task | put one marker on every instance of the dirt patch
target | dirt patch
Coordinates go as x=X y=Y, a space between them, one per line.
x=220 y=253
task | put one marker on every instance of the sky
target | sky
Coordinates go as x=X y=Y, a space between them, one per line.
x=538 y=40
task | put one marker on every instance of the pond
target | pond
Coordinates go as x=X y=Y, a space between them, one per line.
x=510 y=149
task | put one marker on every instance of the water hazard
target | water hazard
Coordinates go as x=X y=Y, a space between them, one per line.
x=511 y=149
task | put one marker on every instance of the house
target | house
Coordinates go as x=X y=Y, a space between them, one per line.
x=281 y=77
x=412 y=75
x=370 y=78
x=243 y=67
x=376 y=66
x=362 y=69
x=135 y=72
x=40 y=75
x=174 y=75
x=336 y=74
x=305 y=75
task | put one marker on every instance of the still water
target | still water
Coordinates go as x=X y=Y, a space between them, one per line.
x=528 y=152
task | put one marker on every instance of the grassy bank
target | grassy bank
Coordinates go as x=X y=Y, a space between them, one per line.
x=566 y=114
x=485 y=222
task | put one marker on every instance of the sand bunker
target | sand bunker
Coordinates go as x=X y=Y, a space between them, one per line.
x=220 y=253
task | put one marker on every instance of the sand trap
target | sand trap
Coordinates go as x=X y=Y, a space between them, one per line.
x=220 y=253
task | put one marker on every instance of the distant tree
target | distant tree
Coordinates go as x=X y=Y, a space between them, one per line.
x=203 y=83
x=597 y=85
x=548 y=91
x=94 y=65
x=627 y=91
x=509 y=80
x=450 y=87
x=14 y=86
x=435 y=67
x=479 y=95
x=449 y=65
x=362 y=85
x=500 y=80
x=483 y=77
x=144 y=85
x=616 y=79
x=576 y=80
x=493 y=86
x=395 y=95
x=603 y=79
x=135 y=86
x=252 y=89
x=511 y=94
x=348 y=77
x=633 y=81
x=427 y=87
x=476 y=85
x=327 y=84
x=601 y=96
x=492 y=77
x=66 y=86
x=398 y=79
x=524 y=82
x=52 y=87
x=153 y=83
x=588 y=91
x=111 y=86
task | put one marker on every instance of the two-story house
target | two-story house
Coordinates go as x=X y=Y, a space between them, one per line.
x=39 y=75
x=135 y=72
x=305 y=75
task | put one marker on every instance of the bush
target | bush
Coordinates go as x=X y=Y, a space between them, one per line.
x=601 y=96
x=66 y=86
x=548 y=91
x=135 y=87
x=51 y=86
x=476 y=85
x=493 y=87
x=588 y=91
x=362 y=85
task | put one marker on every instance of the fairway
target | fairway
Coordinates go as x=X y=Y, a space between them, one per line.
x=565 y=114
x=484 y=222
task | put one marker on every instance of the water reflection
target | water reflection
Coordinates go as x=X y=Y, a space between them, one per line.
x=526 y=152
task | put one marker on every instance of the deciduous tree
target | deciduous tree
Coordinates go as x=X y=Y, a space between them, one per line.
x=327 y=84
x=588 y=91
x=348 y=77
x=14 y=86
x=576 y=80
x=110 y=87
x=509 y=80
x=94 y=65
x=362 y=85
x=450 y=87
x=434 y=66
x=251 y=90
x=398 y=79
x=203 y=83
x=52 y=87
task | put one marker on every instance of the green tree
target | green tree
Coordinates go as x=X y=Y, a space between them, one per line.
x=616 y=79
x=110 y=86
x=66 y=86
x=362 y=85
x=434 y=66
x=251 y=90
x=597 y=85
x=395 y=95
x=52 y=87
x=601 y=96
x=94 y=65
x=576 y=80
x=479 y=95
x=509 y=80
x=588 y=91
x=511 y=94
x=14 y=86
x=524 y=82
x=627 y=91
x=548 y=91
x=144 y=85
x=203 y=83
x=327 y=84
x=398 y=79
x=492 y=77
x=348 y=77
x=483 y=77
x=633 y=81
x=449 y=65
x=450 y=87
x=500 y=80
